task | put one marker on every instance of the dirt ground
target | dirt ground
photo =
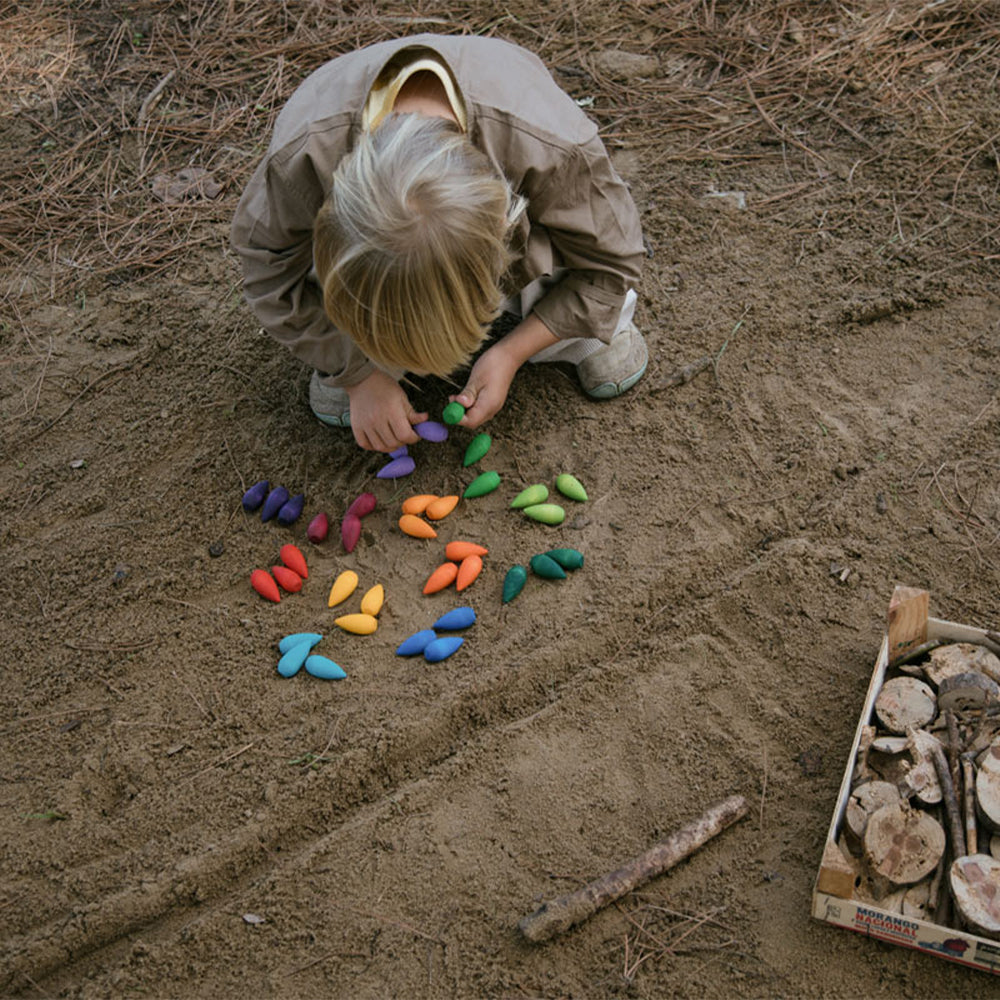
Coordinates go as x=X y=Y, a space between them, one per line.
x=179 y=821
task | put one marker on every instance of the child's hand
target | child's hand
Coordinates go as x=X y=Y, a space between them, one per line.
x=489 y=382
x=381 y=416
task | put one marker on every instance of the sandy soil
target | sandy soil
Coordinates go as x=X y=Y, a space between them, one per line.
x=178 y=820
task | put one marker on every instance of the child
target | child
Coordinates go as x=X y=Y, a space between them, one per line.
x=412 y=190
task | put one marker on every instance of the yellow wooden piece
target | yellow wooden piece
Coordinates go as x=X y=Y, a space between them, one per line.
x=371 y=603
x=358 y=624
x=342 y=588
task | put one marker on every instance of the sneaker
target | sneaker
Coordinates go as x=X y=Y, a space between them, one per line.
x=615 y=367
x=330 y=403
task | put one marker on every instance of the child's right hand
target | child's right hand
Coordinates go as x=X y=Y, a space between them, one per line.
x=382 y=418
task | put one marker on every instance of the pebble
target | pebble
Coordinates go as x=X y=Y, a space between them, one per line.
x=291 y=662
x=296 y=638
x=567 y=558
x=397 y=468
x=547 y=567
x=453 y=413
x=264 y=584
x=291 y=510
x=216 y=549
x=484 y=483
x=441 y=649
x=318 y=529
x=357 y=624
x=342 y=588
x=276 y=499
x=432 y=430
x=478 y=447
x=254 y=496
x=371 y=603
x=324 y=668
x=411 y=525
x=547 y=513
x=457 y=618
x=513 y=583
x=291 y=555
x=416 y=643
x=571 y=487
x=531 y=495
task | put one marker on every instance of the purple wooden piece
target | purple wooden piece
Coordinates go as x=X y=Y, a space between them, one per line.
x=397 y=468
x=431 y=430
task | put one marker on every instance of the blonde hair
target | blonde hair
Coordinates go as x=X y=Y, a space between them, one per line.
x=411 y=244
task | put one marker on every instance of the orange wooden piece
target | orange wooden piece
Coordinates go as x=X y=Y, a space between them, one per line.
x=443 y=576
x=411 y=525
x=287 y=579
x=441 y=507
x=459 y=550
x=468 y=570
x=292 y=557
x=418 y=504
x=264 y=584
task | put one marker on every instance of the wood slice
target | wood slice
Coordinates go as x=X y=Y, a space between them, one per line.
x=922 y=778
x=961 y=658
x=988 y=798
x=975 y=888
x=902 y=845
x=890 y=744
x=905 y=703
x=961 y=692
x=995 y=846
x=915 y=900
x=866 y=799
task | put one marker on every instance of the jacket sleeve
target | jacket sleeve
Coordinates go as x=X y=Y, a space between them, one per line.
x=272 y=234
x=595 y=233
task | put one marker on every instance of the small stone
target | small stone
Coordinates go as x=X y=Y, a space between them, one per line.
x=216 y=549
x=881 y=504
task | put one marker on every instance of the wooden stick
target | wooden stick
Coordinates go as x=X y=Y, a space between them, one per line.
x=969 y=802
x=950 y=802
x=558 y=915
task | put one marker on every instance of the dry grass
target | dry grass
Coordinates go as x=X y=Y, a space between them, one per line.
x=97 y=103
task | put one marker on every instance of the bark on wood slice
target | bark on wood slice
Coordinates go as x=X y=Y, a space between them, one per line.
x=861 y=771
x=988 y=798
x=995 y=846
x=866 y=799
x=915 y=900
x=964 y=691
x=961 y=658
x=975 y=888
x=905 y=703
x=902 y=845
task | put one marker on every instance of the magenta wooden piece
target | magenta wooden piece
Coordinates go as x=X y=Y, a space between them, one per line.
x=363 y=505
x=350 y=531
x=318 y=528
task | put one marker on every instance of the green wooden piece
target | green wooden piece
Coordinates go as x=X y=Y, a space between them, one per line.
x=545 y=566
x=547 y=513
x=485 y=483
x=538 y=493
x=571 y=487
x=567 y=558
x=478 y=447
x=453 y=412
x=513 y=583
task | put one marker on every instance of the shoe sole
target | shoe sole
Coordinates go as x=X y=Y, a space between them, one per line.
x=344 y=420
x=609 y=390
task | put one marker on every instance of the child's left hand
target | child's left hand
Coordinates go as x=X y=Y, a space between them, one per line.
x=489 y=382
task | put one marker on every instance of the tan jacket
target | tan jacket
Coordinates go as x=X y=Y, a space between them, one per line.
x=580 y=215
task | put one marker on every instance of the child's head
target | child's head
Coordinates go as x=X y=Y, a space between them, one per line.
x=411 y=245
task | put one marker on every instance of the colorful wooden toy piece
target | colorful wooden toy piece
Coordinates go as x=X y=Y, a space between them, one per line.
x=350 y=532
x=264 y=584
x=443 y=576
x=453 y=413
x=544 y=566
x=531 y=495
x=254 y=496
x=484 y=483
x=477 y=448
x=469 y=568
x=324 y=668
x=291 y=510
x=296 y=638
x=362 y=505
x=292 y=557
x=413 y=526
x=513 y=583
x=371 y=603
x=342 y=588
x=291 y=662
x=287 y=579
x=276 y=499
x=571 y=487
x=357 y=624
x=442 y=648
x=399 y=452
x=397 y=468
x=457 y=550
x=441 y=507
x=432 y=430
x=419 y=503
x=416 y=643
x=319 y=528
x=547 y=513
x=457 y=618
x=567 y=558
